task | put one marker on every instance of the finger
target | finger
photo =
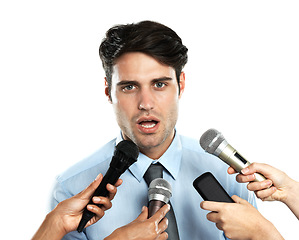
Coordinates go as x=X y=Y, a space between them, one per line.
x=245 y=178
x=219 y=225
x=262 y=168
x=163 y=225
x=230 y=170
x=105 y=202
x=88 y=192
x=160 y=214
x=118 y=182
x=257 y=186
x=163 y=236
x=266 y=193
x=143 y=215
x=96 y=210
x=112 y=191
x=211 y=206
x=213 y=217
x=113 y=188
x=239 y=200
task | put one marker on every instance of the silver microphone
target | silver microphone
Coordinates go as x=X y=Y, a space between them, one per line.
x=214 y=143
x=159 y=193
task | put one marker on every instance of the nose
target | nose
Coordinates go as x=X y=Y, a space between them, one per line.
x=146 y=100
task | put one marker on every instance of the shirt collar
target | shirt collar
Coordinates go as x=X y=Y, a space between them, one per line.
x=171 y=159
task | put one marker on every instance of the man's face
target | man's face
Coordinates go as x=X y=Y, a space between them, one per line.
x=144 y=94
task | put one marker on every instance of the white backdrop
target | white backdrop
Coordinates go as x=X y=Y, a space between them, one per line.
x=240 y=79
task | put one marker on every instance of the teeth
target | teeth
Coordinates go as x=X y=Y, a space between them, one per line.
x=148 y=126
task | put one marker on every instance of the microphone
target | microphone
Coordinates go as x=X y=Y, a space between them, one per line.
x=125 y=154
x=159 y=193
x=214 y=143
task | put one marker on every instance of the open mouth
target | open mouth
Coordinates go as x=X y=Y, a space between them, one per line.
x=148 y=123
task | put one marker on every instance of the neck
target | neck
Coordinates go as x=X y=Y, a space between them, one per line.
x=157 y=151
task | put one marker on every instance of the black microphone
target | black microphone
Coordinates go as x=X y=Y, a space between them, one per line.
x=159 y=193
x=213 y=142
x=125 y=154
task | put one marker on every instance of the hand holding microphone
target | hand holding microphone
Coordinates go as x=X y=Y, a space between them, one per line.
x=125 y=154
x=284 y=188
x=65 y=217
x=144 y=228
x=214 y=143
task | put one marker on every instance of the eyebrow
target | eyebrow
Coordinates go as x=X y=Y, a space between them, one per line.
x=162 y=79
x=127 y=82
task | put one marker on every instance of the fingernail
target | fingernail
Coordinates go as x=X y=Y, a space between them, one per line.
x=143 y=208
x=89 y=207
x=267 y=183
x=245 y=170
x=98 y=177
x=97 y=199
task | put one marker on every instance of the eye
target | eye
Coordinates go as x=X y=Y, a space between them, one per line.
x=160 y=84
x=128 y=88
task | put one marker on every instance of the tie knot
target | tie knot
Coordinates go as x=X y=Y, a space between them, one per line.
x=154 y=171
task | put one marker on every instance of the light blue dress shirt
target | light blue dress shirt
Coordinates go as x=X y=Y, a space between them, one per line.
x=184 y=160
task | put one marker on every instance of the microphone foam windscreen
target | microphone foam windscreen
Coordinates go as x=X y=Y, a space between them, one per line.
x=128 y=148
x=210 y=140
x=158 y=187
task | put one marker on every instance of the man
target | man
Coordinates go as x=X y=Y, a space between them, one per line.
x=144 y=80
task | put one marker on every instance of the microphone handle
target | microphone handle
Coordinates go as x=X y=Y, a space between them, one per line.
x=111 y=177
x=230 y=156
x=154 y=206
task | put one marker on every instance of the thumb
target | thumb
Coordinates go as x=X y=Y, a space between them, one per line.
x=88 y=192
x=262 y=168
x=239 y=200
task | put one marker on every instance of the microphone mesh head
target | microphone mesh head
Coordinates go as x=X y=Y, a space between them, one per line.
x=158 y=187
x=210 y=140
x=128 y=148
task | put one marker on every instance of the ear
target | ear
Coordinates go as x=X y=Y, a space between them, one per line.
x=107 y=91
x=182 y=84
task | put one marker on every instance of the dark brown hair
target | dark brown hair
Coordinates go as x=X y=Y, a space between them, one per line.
x=152 y=38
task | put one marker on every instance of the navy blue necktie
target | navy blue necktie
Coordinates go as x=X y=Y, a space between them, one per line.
x=156 y=171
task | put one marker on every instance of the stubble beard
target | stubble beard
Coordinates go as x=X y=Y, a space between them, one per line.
x=149 y=142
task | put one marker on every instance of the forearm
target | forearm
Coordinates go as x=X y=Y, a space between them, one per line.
x=292 y=199
x=50 y=229
x=267 y=231
x=118 y=234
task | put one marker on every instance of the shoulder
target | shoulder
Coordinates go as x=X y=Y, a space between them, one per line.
x=192 y=146
x=97 y=159
x=81 y=174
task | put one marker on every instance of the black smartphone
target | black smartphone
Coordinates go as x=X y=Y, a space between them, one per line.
x=210 y=189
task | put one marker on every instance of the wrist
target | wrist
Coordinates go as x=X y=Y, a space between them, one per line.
x=50 y=229
x=118 y=234
x=292 y=200
x=267 y=231
x=292 y=192
x=57 y=223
